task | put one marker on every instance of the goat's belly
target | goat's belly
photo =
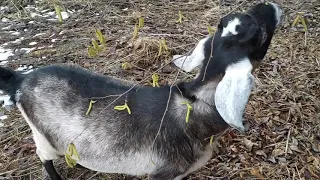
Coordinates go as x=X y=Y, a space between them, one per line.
x=132 y=164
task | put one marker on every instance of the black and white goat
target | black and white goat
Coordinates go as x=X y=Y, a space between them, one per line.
x=54 y=100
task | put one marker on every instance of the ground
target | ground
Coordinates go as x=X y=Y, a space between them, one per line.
x=283 y=113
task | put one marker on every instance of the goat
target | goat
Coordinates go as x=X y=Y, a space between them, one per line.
x=154 y=139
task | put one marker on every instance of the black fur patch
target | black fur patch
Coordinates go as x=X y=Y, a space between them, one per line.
x=10 y=82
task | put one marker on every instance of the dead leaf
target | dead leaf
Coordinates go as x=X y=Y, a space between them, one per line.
x=86 y=64
x=316 y=161
x=307 y=174
x=294 y=141
x=277 y=152
x=261 y=153
x=282 y=160
x=312 y=172
x=233 y=148
x=241 y=157
x=248 y=143
x=310 y=159
x=316 y=148
x=295 y=148
x=256 y=172
x=242 y=174
x=264 y=119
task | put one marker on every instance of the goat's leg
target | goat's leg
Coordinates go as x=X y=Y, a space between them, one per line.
x=45 y=151
x=46 y=159
x=50 y=170
x=167 y=173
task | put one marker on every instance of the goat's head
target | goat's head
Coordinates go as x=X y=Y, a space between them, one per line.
x=238 y=46
x=250 y=32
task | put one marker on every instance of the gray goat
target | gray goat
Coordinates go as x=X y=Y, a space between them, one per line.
x=54 y=100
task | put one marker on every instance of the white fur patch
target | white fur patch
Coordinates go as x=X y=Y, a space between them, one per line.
x=138 y=163
x=233 y=92
x=189 y=63
x=231 y=27
x=278 y=12
x=44 y=149
x=6 y=100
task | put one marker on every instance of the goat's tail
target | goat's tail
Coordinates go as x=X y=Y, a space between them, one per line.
x=10 y=81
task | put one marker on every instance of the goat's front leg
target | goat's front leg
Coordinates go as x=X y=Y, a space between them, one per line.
x=50 y=170
x=167 y=173
x=47 y=158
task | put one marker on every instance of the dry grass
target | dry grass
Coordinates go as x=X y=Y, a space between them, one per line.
x=283 y=114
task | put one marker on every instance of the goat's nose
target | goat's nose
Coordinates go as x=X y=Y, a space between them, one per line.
x=278 y=12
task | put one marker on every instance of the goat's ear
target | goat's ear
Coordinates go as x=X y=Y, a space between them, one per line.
x=246 y=34
x=189 y=63
x=232 y=93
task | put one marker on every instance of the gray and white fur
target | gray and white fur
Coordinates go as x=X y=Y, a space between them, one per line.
x=54 y=100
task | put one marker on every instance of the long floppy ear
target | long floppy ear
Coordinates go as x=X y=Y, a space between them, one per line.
x=232 y=93
x=189 y=63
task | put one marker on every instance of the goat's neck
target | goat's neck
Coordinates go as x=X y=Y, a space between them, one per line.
x=200 y=90
x=201 y=94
